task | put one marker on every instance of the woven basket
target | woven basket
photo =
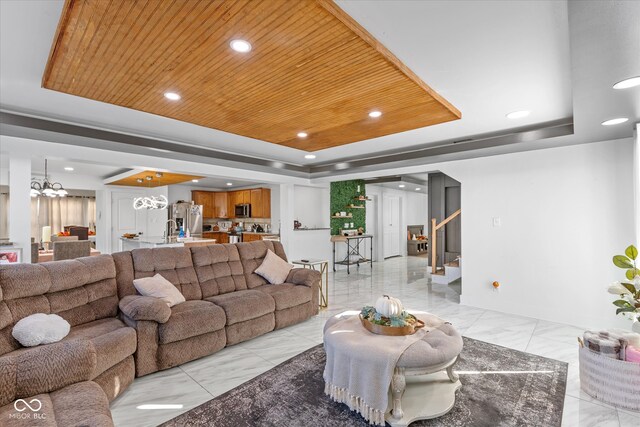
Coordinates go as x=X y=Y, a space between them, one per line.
x=612 y=381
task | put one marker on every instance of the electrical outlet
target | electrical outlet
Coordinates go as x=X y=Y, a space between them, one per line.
x=497 y=222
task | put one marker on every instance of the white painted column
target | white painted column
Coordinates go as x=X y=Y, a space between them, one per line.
x=636 y=183
x=286 y=219
x=20 y=204
x=103 y=221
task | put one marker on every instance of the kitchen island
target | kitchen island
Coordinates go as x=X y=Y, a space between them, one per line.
x=163 y=242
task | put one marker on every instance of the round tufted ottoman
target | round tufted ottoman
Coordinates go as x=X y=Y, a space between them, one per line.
x=423 y=385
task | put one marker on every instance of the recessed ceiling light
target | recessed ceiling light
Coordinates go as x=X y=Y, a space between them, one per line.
x=194 y=180
x=172 y=96
x=518 y=114
x=615 y=121
x=241 y=46
x=375 y=113
x=302 y=134
x=229 y=184
x=68 y=168
x=401 y=185
x=139 y=180
x=418 y=188
x=309 y=156
x=627 y=83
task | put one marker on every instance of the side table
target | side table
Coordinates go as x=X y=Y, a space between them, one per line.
x=323 y=267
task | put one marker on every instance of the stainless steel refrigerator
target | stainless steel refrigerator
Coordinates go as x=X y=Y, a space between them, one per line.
x=187 y=215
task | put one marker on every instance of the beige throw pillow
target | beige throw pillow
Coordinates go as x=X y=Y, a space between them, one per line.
x=274 y=269
x=159 y=287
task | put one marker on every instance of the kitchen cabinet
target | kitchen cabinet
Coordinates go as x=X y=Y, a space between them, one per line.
x=235 y=198
x=266 y=203
x=260 y=199
x=204 y=198
x=252 y=237
x=220 y=236
x=256 y=203
x=221 y=205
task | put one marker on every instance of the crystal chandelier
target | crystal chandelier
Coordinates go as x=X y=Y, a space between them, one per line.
x=46 y=188
x=150 y=202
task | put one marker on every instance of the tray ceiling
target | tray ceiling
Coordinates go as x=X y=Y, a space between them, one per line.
x=151 y=179
x=312 y=69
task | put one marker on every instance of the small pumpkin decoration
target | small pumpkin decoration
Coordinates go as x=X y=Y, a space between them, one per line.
x=388 y=306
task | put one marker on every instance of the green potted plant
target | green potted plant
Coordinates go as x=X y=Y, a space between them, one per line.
x=629 y=290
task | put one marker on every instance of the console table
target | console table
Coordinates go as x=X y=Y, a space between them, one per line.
x=353 y=250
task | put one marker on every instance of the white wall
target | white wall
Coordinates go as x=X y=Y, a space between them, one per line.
x=416 y=209
x=179 y=192
x=413 y=211
x=564 y=212
x=311 y=206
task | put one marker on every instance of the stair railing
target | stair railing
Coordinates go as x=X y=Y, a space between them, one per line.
x=435 y=227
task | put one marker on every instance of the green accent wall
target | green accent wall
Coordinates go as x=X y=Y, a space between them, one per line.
x=342 y=193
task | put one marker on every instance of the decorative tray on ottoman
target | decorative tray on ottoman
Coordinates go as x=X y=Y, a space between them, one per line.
x=389 y=317
x=409 y=329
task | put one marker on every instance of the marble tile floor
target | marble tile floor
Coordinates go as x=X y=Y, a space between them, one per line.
x=406 y=278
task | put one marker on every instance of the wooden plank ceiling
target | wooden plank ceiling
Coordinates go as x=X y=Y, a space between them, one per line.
x=166 y=178
x=312 y=68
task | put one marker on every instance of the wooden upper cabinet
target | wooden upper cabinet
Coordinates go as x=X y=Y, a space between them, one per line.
x=235 y=198
x=266 y=203
x=204 y=198
x=246 y=196
x=257 y=210
x=221 y=205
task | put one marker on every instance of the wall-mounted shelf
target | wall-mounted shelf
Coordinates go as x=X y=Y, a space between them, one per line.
x=362 y=198
x=355 y=206
x=340 y=217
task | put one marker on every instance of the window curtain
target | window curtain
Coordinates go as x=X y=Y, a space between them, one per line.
x=61 y=211
x=4 y=216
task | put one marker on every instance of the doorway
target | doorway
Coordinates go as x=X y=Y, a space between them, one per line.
x=391 y=226
x=124 y=218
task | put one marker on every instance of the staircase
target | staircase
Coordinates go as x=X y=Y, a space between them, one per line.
x=452 y=271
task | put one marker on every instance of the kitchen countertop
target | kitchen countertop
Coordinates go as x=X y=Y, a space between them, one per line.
x=152 y=240
x=238 y=232
x=259 y=232
x=311 y=229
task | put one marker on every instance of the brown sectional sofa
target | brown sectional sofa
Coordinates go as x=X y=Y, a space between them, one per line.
x=227 y=303
x=81 y=404
x=116 y=332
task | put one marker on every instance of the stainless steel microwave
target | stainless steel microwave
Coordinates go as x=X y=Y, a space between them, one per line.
x=243 y=211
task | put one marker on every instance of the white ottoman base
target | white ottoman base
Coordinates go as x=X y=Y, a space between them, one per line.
x=421 y=394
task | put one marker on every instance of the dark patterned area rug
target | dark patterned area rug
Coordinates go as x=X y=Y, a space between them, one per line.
x=500 y=387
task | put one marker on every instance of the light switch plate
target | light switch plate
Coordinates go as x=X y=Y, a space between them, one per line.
x=497 y=222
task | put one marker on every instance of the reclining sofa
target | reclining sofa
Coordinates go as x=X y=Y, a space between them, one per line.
x=116 y=333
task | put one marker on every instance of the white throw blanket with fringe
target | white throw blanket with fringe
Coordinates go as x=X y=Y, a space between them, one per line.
x=360 y=365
